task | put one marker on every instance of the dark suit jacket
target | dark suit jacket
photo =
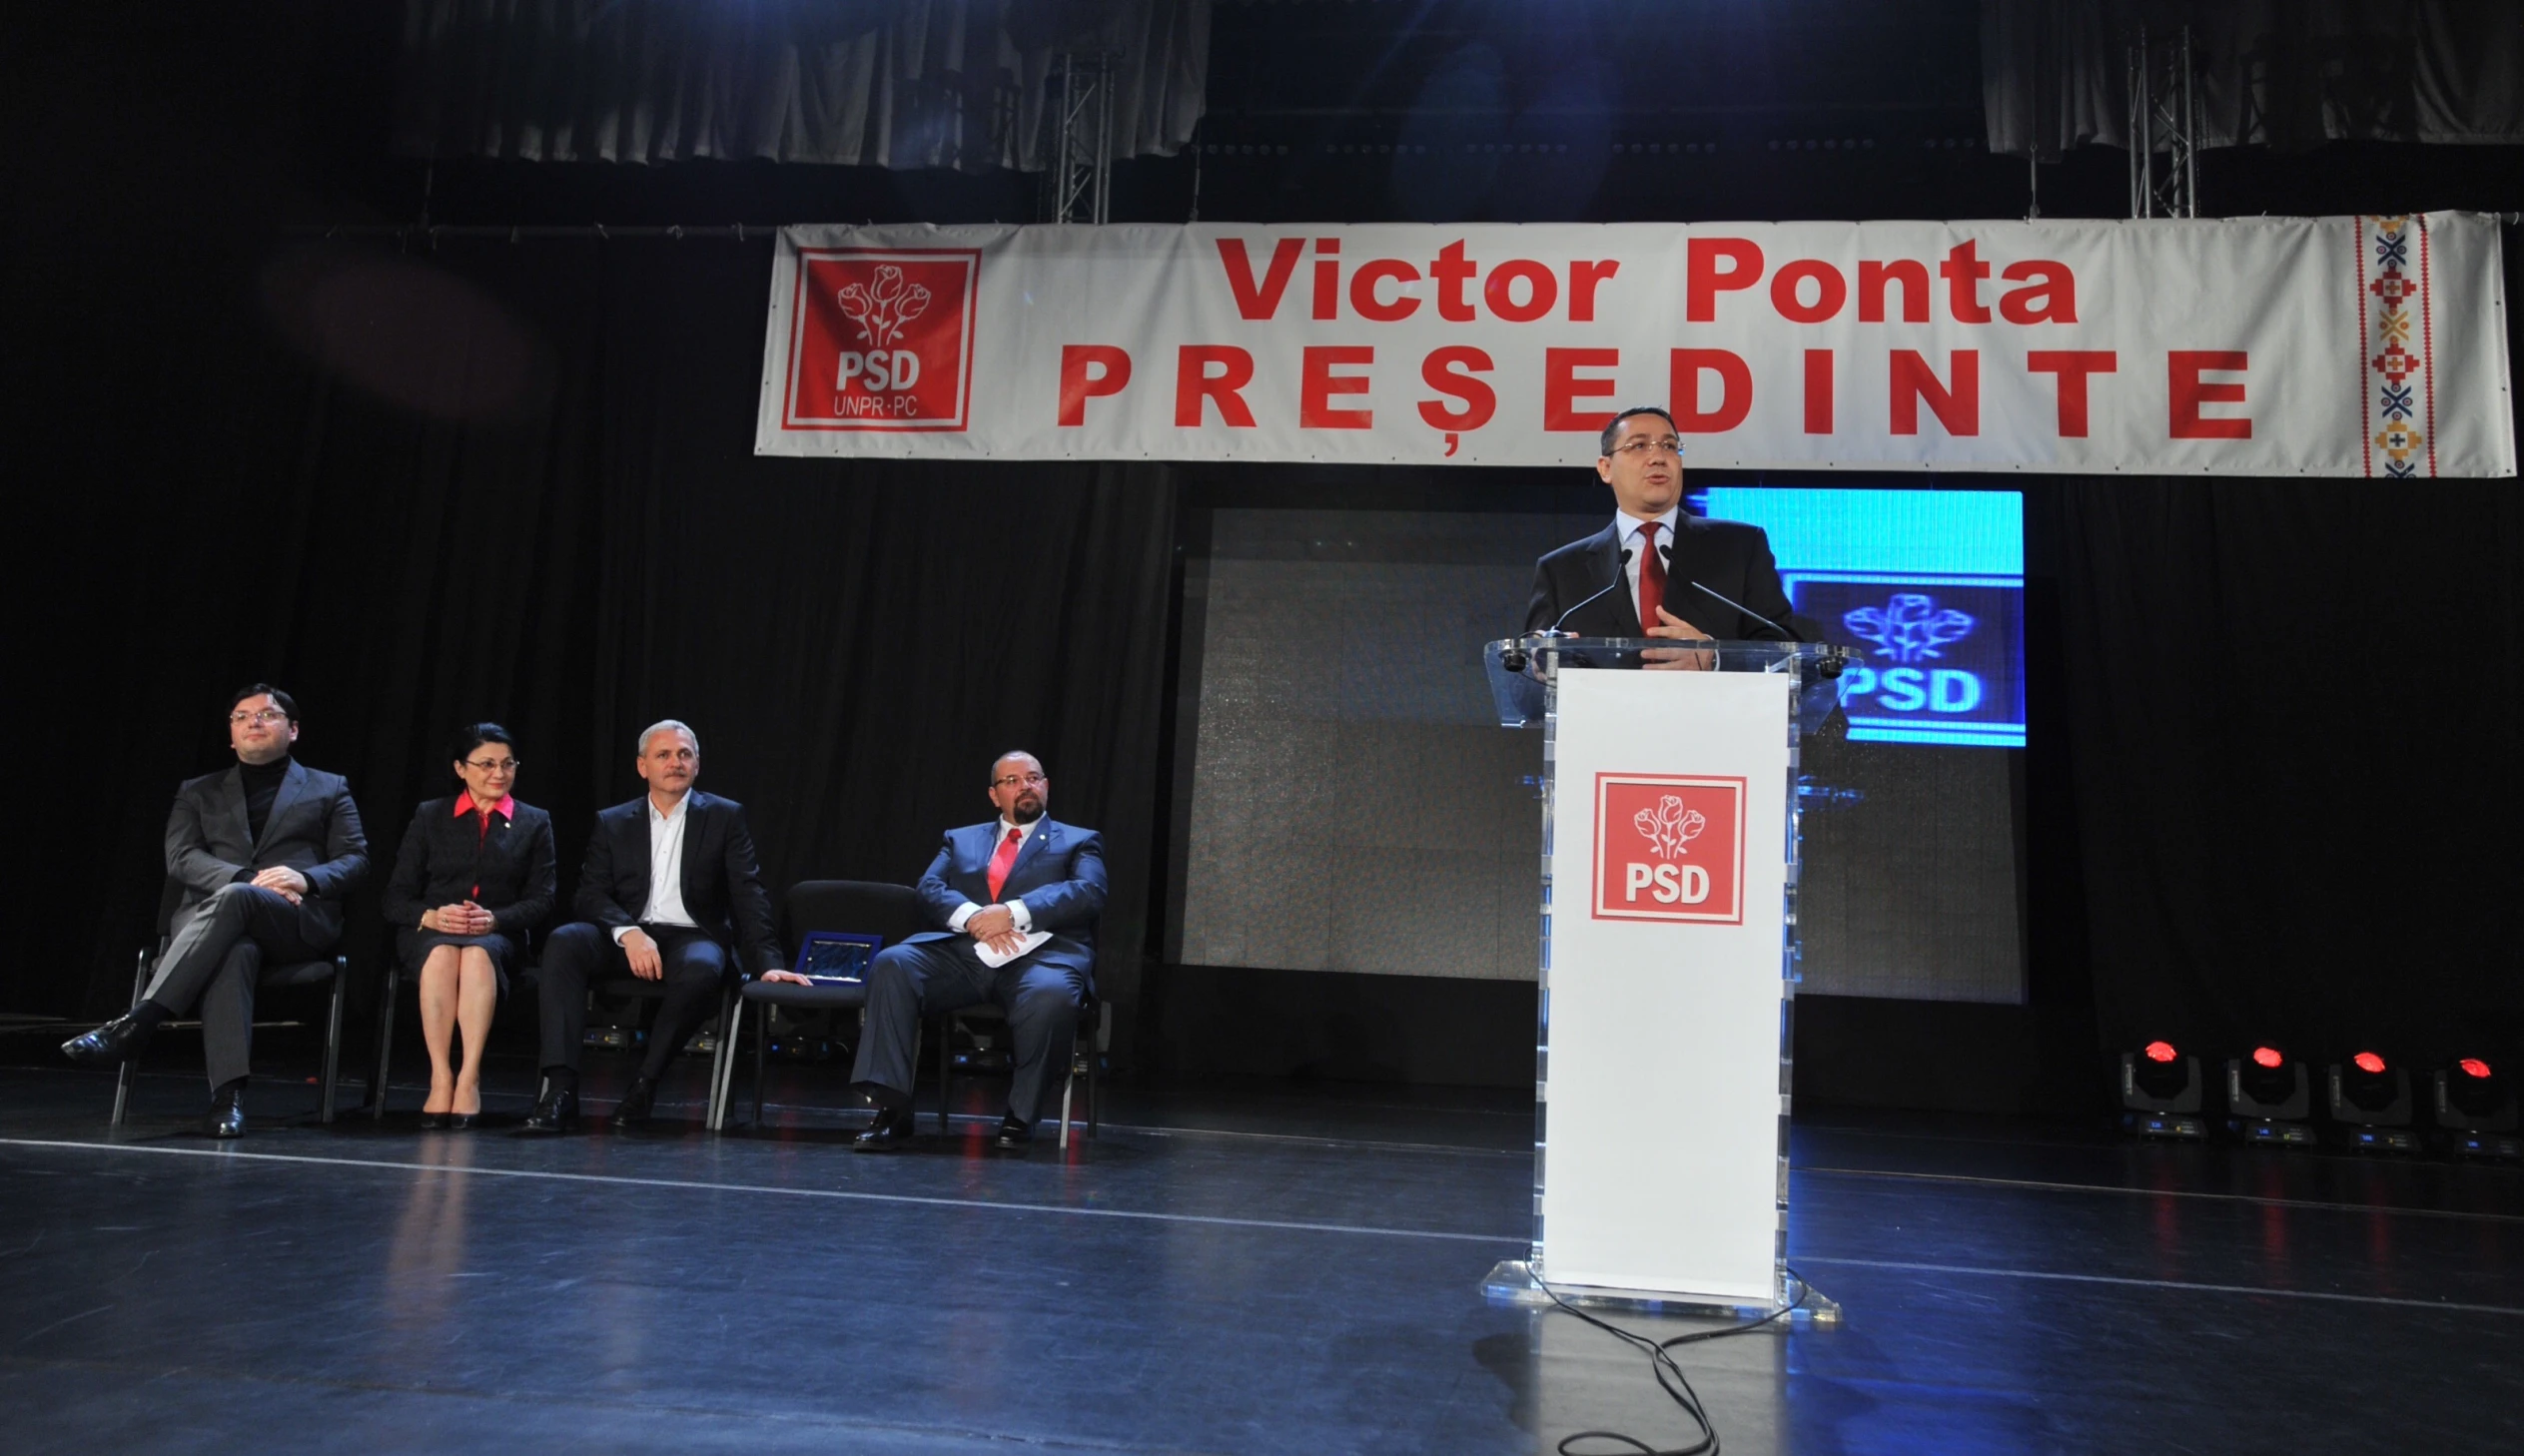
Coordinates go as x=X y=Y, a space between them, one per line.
x=1724 y=556
x=312 y=827
x=1059 y=874
x=722 y=883
x=444 y=857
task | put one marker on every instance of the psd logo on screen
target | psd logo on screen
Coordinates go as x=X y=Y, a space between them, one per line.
x=881 y=339
x=1669 y=847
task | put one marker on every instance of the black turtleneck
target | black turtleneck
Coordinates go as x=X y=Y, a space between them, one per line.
x=263 y=785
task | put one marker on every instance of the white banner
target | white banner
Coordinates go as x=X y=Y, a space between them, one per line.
x=2246 y=346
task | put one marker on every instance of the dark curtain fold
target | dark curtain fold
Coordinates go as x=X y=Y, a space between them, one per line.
x=878 y=83
x=518 y=484
x=2289 y=74
x=2296 y=721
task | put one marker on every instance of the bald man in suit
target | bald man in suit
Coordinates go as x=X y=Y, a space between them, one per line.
x=991 y=889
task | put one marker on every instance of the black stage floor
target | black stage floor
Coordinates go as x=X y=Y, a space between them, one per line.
x=1255 y=1269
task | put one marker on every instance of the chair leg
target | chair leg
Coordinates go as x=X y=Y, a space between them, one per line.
x=946 y=1071
x=333 y=1034
x=1096 y=1065
x=1068 y=1084
x=762 y=1054
x=385 y=1042
x=722 y=1060
x=122 y=1074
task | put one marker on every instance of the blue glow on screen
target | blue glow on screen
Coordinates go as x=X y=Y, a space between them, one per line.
x=1929 y=585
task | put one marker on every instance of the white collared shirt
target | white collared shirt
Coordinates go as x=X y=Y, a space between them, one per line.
x=1016 y=908
x=1628 y=526
x=665 y=868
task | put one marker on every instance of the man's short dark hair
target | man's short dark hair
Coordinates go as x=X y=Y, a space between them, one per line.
x=284 y=701
x=474 y=735
x=1612 y=432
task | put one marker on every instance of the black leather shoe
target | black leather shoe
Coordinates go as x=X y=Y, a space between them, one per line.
x=115 y=1043
x=432 y=1121
x=227 y=1117
x=891 y=1131
x=555 y=1111
x=459 y=1122
x=1016 y=1135
x=638 y=1101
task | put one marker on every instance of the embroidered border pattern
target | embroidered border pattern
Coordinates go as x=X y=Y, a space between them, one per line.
x=2397 y=407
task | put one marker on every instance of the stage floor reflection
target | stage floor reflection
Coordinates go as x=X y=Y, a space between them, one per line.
x=1248 y=1268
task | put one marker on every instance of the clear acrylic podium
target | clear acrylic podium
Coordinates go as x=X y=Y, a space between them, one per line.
x=1669 y=962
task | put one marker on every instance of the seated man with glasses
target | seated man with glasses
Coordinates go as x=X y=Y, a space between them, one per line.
x=1656 y=571
x=264 y=850
x=1015 y=900
x=475 y=874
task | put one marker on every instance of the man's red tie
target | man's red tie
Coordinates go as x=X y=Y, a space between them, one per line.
x=1004 y=861
x=1651 y=575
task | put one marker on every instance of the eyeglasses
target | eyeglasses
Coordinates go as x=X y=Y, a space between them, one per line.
x=258 y=715
x=495 y=766
x=1012 y=780
x=1639 y=449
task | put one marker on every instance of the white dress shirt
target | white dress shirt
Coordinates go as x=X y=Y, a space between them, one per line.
x=1016 y=908
x=666 y=869
x=1631 y=540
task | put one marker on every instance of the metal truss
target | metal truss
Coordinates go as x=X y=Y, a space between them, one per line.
x=1077 y=186
x=2164 y=127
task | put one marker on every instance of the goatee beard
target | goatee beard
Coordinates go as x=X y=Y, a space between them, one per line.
x=1022 y=815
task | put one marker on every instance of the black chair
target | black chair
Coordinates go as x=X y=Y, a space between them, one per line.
x=1087 y=1055
x=332 y=971
x=848 y=907
x=520 y=985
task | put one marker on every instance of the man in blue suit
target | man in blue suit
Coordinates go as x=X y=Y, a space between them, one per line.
x=1022 y=890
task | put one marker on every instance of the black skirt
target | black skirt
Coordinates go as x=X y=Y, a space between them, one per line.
x=415 y=946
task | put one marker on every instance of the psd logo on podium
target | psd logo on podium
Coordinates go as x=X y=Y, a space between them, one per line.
x=1669 y=847
x=881 y=339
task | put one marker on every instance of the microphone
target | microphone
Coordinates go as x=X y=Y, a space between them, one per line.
x=1620 y=579
x=1748 y=611
x=1513 y=659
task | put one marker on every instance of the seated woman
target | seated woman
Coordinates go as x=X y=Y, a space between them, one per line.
x=475 y=874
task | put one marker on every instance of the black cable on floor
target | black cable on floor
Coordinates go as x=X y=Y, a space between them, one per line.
x=1669 y=1375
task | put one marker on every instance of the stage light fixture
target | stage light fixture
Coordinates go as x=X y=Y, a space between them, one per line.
x=2370 y=1100
x=2268 y=1098
x=2160 y=1093
x=2476 y=1108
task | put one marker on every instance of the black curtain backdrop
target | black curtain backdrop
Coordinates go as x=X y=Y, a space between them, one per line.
x=520 y=485
x=2296 y=709
x=516 y=481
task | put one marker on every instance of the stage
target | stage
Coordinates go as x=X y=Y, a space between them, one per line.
x=1254 y=1266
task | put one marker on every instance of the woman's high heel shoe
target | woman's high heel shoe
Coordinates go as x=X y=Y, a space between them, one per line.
x=432 y=1121
x=461 y=1121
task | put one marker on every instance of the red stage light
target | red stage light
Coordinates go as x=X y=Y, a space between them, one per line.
x=2267 y=1057
x=2473 y=1067
x=2158 y=1050
x=2369 y=1062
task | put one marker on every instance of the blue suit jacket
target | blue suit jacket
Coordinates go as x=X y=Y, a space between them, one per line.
x=1059 y=874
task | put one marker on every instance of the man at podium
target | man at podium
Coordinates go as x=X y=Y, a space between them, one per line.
x=1656 y=571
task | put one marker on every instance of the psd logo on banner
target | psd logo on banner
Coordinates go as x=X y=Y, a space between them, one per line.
x=881 y=340
x=1669 y=847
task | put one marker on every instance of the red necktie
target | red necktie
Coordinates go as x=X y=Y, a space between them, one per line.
x=1651 y=575
x=1005 y=860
